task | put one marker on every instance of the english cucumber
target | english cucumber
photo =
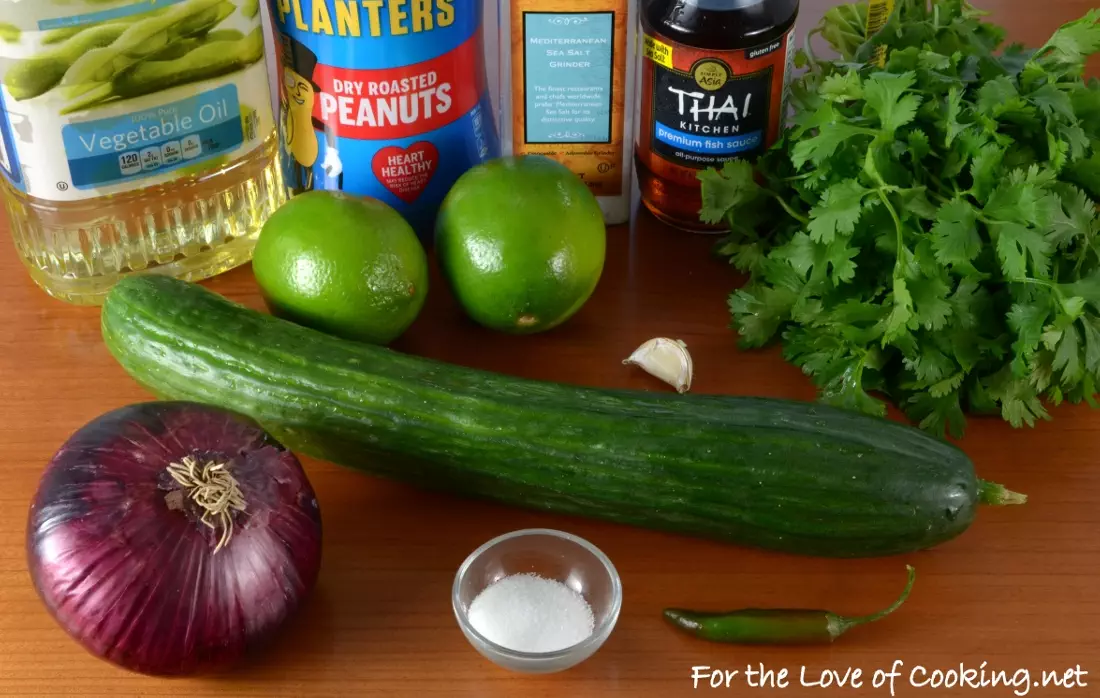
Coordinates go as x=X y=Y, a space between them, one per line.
x=797 y=477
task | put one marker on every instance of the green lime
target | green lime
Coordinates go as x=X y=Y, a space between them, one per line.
x=346 y=265
x=521 y=241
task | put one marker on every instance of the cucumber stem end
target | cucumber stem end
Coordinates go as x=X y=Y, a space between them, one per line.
x=998 y=495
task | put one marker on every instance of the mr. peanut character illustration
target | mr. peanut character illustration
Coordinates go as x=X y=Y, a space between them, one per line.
x=300 y=127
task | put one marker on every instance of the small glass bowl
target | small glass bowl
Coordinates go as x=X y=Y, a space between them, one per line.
x=553 y=555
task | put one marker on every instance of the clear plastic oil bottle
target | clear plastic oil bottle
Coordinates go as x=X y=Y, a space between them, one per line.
x=135 y=137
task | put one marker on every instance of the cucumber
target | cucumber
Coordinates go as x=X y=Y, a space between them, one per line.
x=796 y=477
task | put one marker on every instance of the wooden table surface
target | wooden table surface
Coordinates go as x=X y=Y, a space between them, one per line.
x=1017 y=591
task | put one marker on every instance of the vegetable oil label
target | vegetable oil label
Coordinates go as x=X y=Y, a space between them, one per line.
x=701 y=108
x=384 y=98
x=99 y=98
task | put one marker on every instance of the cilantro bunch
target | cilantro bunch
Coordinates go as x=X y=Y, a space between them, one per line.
x=927 y=230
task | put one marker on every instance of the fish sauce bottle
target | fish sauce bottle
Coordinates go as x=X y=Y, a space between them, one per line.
x=384 y=98
x=713 y=81
x=135 y=137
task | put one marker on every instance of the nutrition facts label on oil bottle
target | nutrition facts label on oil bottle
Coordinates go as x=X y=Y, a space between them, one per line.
x=95 y=98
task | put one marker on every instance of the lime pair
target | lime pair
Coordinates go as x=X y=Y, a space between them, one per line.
x=520 y=240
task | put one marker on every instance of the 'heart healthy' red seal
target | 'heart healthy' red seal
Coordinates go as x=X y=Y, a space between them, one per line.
x=406 y=171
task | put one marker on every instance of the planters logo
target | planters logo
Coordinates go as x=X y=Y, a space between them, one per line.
x=372 y=18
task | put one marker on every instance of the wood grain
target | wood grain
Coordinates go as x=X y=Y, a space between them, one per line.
x=1017 y=591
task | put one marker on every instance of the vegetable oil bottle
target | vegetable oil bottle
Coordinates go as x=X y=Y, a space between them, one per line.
x=135 y=137
x=712 y=87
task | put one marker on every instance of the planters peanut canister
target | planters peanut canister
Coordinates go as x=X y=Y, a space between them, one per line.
x=384 y=98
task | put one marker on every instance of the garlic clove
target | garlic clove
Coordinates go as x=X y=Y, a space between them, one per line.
x=667 y=359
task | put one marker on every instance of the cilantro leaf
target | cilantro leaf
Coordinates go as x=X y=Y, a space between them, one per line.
x=931 y=366
x=1087 y=287
x=725 y=190
x=885 y=96
x=1067 y=356
x=817 y=149
x=842 y=87
x=985 y=170
x=760 y=312
x=1076 y=138
x=928 y=230
x=1092 y=344
x=955 y=235
x=938 y=414
x=836 y=367
x=801 y=252
x=919 y=145
x=930 y=307
x=995 y=95
x=1074 y=219
x=1052 y=100
x=839 y=211
x=1073 y=42
x=745 y=255
x=902 y=313
x=951 y=125
x=841 y=260
x=969 y=143
x=1018 y=198
x=1028 y=321
x=1016 y=243
x=1086 y=174
x=1020 y=404
x=1086 y=104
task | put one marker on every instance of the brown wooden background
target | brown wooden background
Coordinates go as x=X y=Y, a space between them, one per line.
x=1019 y=590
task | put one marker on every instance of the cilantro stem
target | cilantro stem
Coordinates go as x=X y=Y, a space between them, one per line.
x=938 y=196
x=939 y=183
x=1039 y=282
x=867 y=131
x=1084 y=255
x=897 y=224
x=787 y=207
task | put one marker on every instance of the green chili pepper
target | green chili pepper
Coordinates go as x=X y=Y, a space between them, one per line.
x=250 y=8
x=786 y=626
x=141 y=40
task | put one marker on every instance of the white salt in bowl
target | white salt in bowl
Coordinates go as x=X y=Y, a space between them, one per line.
x=550 y=554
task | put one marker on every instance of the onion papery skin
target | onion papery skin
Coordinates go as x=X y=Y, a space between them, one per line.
x=129 y=570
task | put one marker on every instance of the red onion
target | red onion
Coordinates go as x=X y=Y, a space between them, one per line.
x=170 y=538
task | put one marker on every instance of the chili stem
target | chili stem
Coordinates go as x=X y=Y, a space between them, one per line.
x=838 y=625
